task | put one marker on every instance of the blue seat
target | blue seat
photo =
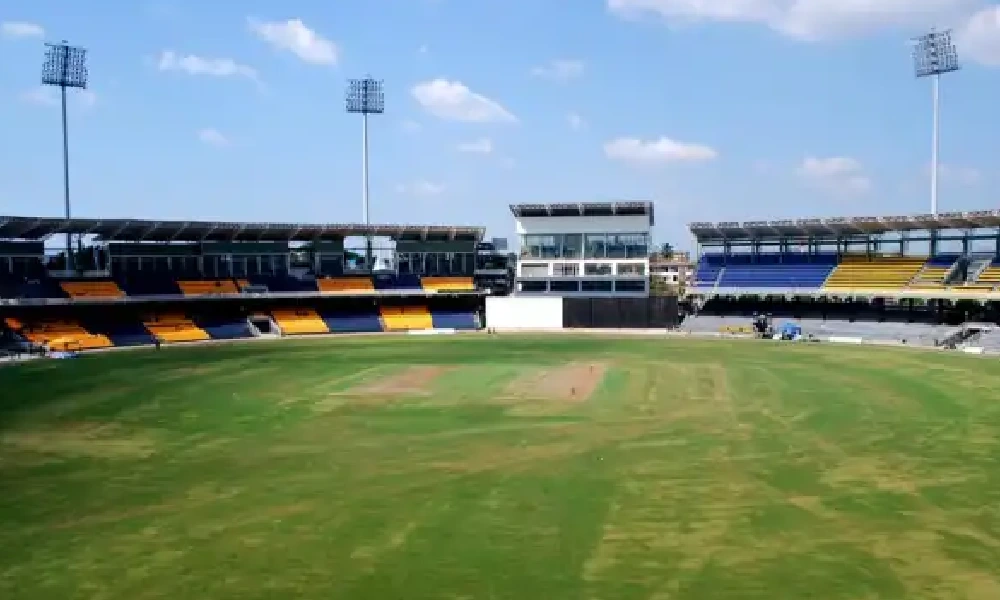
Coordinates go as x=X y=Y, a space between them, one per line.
x=352 y=322
x=766 y=271
x=224 y=328
x=396 y=282
x=149 y=285
x=453 y=319
x=122 y=333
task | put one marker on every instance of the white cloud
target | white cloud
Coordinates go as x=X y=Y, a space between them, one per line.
x=21 y=29
x=480 y=146
x=420 y=188
x=576 y=122
x=967 y=176
x=213 y=137
x=48 y=96
x=838 y=174
x=87 y=98
x=424 y=49
x=452 y=100
x=508 y=163
x=294 y=36
x=40 y=96
x=559 y=70
x=210 y=67
x=656 y=152
x=802 y=19
x=979 y=37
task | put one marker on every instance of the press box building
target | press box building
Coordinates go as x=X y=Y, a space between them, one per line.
x=584 y=249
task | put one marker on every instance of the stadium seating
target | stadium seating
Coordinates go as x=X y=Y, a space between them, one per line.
x=224 y=328
x=40 y=288
x=932 y=276
x=785 y=271
x=443 y=319
x=122 y=332
x=406 y=318
x=988 y=279
x=859 y=272
x=345 y=284
x=63 y=334
x=448 y=284
x=149 y=285
x=175 y=327
x=92 y=288
x=397 y=282
x=284 y=283
x=366 y=321
x=299 y=321
x=207 y=287
x=708 y=271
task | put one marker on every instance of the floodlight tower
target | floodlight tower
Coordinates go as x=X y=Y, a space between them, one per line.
x=365 y=97
x=934 y=55
x=65 y=67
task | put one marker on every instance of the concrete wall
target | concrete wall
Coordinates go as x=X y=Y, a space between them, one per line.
x=517 y=312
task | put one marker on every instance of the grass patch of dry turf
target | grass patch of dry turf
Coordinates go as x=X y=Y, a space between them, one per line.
x=502 y=467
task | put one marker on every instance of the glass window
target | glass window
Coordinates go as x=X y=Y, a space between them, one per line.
x=597 y=286
x=595 y=245
x=630 y=285
x=572 y=246
x=636 y=244
x=534 y=270
x=533 y=286
x=632 y=269
x=616 y=246
x=564 y=286
x=597 y=269
x=566 y=270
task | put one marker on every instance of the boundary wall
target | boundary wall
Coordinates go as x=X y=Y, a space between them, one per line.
x=524 y=312
x=546 y=313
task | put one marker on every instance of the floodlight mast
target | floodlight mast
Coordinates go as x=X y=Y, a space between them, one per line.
x=934 y=54
x=365 y=96
x=65 y=66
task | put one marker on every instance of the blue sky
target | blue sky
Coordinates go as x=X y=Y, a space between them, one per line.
x=714 y=110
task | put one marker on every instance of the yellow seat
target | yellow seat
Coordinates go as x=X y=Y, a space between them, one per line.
x=208 y=287
x=345 y=284
x=447 y=284
x=64 y=335
x=175 y=327
x=406 y=318
x=92 y=289
x=299 y=321
x=931 y=278
x=859 y=272
x=988 y=279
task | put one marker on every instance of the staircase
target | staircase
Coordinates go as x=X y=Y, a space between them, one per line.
x=976 y=268
x=718 y=280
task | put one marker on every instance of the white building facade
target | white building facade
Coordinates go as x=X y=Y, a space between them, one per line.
x=588 y=249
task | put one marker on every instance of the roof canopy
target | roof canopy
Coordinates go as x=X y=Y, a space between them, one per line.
x=585 y=209
x=842 y=226
x=138 y=230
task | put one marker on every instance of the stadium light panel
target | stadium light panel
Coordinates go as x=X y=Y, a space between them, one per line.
x=365 y=96
x=65 y=66
x=934 y=55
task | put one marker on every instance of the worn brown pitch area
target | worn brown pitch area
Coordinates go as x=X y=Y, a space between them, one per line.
x=411 y=381
x=573 y=382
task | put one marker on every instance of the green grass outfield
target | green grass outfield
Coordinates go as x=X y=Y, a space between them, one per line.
x=502 y=467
